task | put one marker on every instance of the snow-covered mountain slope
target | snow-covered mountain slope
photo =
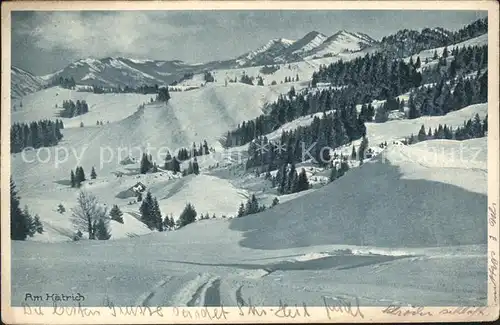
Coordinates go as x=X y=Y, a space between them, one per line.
x=428 y=54
x=312 y=45
x=372 y=238
x=114 y=72
x=309 y=42
x=392 y=201
x=24 y=82
x=265 y=54
x=342 y=41
x=188 y=117
x=47 y=103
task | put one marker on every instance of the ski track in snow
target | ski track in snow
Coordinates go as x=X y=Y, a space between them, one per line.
x=143 y=300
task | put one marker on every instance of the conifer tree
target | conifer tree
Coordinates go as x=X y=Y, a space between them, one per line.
x=302 y=182
x=196 y=167
x=353 y=153
x=163 y=95
x=37 y=225
x=362 y=148
x=145 y=164
x=93 y=174
x=241 y=210
x=73 y=179
x=158 y=219
x=421 y=134
x=148 y=216
x=116 y=214
x=333 y=174
x=187 y=216
x=275 y=201
x=19 y=221
x=61 y=209
x=418 y=63
x=101 y=230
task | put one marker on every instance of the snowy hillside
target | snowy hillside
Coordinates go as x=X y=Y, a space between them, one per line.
x=266 y=54
x=397 y=207
x=390 y=221
x=23 y=82
x=342 y=41
x=312 y=45
x=47 y=103
x=377 y=243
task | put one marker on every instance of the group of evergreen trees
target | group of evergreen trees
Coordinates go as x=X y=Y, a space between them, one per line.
x=183 y=154
x=67 y=83
x=22 y=223
x=246 y=79
x=376 y=74
x=142 y=89
x=269 y=69
x=447 y=96
x=193 y=168
x=313 y=141
x=463 y=61
x=187 y=216
x=150 y=213
x=472 y=128
x=116 y=214
x=163 y=95
x=147 y=164
x=251 y=207
x=44 y=133
x=208 y=77
x=172 y=163
x=288 y=181
x=78 y=176
x=335 y=172
x=70 y=109
x=407 y=42
x=287 y=108
x=291 y=79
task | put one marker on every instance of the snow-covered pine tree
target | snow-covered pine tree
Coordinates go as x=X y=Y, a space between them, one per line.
x=381 y=114
x=60 y=208
x=37 y=224
x=148 y=216
x=187 y=216
x=19 y=222
x=241 y=210
x=275 y=201
x=116 y=214
x=158 y=219
x=291 y=179
x=163 y=95
x=196 y=167
x=145 y=164
x=93 y=174
x=421 y=134
x=302 y=181
x=101 y=230
x=333 y=174
x=362 y=149
x=154 y=169
x=353 y=153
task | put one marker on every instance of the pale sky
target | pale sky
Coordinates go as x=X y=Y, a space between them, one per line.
x=43 y=42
